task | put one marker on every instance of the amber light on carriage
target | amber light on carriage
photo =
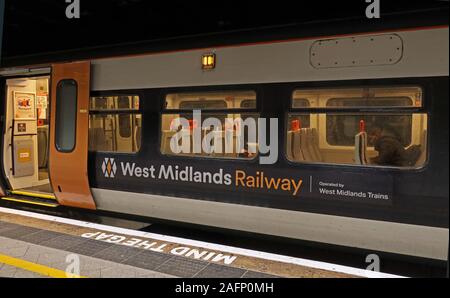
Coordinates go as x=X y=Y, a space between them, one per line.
x=209 y=61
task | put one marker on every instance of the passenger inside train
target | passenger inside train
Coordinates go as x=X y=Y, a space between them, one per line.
x=390 y=151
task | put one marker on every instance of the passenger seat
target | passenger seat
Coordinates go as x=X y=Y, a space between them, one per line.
x=42 y=146
x=231 y=138
x=361 y=145
x=297 y=146
x=314 y=137
x=423 y=148
x=289 y=142
x=306 y=145
x=138 y=138
x=165 y=142
x=97 y=139
x=218 y=137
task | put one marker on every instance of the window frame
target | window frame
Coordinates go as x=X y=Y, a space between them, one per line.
x=229 y=88
x=410 y=110
x=118 y=112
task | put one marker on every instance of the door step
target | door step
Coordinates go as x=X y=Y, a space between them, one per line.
x=51 y=203
x=34 y=194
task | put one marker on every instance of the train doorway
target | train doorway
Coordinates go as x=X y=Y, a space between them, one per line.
x=44 y=141
x=26 y=136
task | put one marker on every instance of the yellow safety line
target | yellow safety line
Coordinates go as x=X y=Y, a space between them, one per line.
x=33 y=194
x=31 y=202
x=36 y=268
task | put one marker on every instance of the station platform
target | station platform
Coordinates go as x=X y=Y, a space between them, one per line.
x=34 y=245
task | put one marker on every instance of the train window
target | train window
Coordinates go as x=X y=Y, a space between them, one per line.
x=115 y=124
x=381 y=97
x=66 y=114
x=395 y=135
x=232 y=118
x=341 y=129
x=113 y=103
x=211 y=100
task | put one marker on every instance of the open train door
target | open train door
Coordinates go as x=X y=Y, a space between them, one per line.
x=68 y=160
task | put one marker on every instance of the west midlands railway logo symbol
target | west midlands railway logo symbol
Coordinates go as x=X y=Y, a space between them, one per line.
x=109 y=168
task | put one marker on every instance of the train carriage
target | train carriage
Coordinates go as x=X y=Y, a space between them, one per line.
x=98 y=134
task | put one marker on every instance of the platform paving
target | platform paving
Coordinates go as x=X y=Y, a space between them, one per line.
x=61 y=260
x=55 y=245
x=99 y=259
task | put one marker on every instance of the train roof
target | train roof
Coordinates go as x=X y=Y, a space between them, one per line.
x=67 y=40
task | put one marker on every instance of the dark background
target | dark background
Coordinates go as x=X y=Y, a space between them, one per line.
x=40 y=26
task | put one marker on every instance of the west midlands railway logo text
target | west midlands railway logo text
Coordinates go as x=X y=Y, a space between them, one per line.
x=188 y=174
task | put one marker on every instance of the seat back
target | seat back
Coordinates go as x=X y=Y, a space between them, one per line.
x=229 y=139
x=97 y=139
x=289 y=143
x=42 y=135
x=307 y=148
x=297 y=152
x=361 y=148
x=218 y=143
x=423 y=148
x=137 y=138
x=315 y=144
x=165 y=141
